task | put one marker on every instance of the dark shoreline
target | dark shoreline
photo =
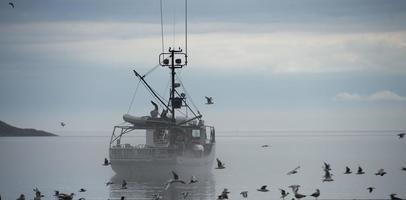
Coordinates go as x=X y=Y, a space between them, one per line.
x=7 y=130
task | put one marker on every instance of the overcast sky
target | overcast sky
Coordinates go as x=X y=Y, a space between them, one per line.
x=269 y=65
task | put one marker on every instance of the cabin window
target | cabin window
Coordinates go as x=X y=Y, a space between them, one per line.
x=196 y=133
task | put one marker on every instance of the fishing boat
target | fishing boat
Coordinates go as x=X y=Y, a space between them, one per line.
x=173 y=140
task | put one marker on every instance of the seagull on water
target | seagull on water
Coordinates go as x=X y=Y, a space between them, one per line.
x=224 y=194
x=283 y=193
x=297 y=194
x=63 y=196
x=174 y=180
x=124 y=184
x=403 y=168
x=82 y=190
x=294 y=171
x=263 y=189
x=401 y=135
x=394 y=197
x=209 y=100
x=381 y=172
x=360 y=171
x=106 y=162
x=56 y=193
x=347 y=170
x=316 y=194
x=22 y=197
x=11 y=4
x=370 y=189
x=244 y=194
x=38 y=194
x=63 y=124
x=264 y=146
x=220 y=165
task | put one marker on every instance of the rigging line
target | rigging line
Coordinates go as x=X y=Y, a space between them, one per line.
x=162 y=27
x=132 y=100
x=152 y=95
x=186 y=29
x=173 y=24
x=190 y=97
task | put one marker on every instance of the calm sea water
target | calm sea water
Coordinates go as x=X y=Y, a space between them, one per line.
x=70 y=163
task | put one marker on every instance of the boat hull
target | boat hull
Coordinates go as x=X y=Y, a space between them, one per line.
x=162 y=166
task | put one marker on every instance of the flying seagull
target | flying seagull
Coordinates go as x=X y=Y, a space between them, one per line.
x=11 y=4
x=244 y=194
x=401 y=135
x=360 y=171
x=316 y=194
x=209 y=100
x=381 y=172
x=63 y=124
x=174 y=180
x=283 y=194
x=347 y=170
x=220 y=165
x=294 y=171
x=263 y=189
x=82 y=190
x=370 y=189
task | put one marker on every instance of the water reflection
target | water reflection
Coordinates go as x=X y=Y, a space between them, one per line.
x=144 y=187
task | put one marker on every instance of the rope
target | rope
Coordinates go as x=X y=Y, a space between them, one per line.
x=186 y=27
x=162 y=28
x=132 y=100
x=186 y=92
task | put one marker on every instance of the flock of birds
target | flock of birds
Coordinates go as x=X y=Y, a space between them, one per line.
x=327 y=177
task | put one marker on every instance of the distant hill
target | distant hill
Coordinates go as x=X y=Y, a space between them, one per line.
x=7 y=130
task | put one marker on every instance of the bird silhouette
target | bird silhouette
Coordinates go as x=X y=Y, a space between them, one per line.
x=11 y=4
x=283 y=194
x=244 y=194
x=381 y=172
x=109 y=183
x=347 y=170
x=220 y=165
x=294 y=171
x=316 y=194
x=63 y=124
x=82 y=190
x=224 y=194
x=209 y=100
x=370 y=189
x=394 y=197
x=360 y=171
x=401 y=135
x=263 y=189
x=174 y=180
x=106 y=162
x=403 y=168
